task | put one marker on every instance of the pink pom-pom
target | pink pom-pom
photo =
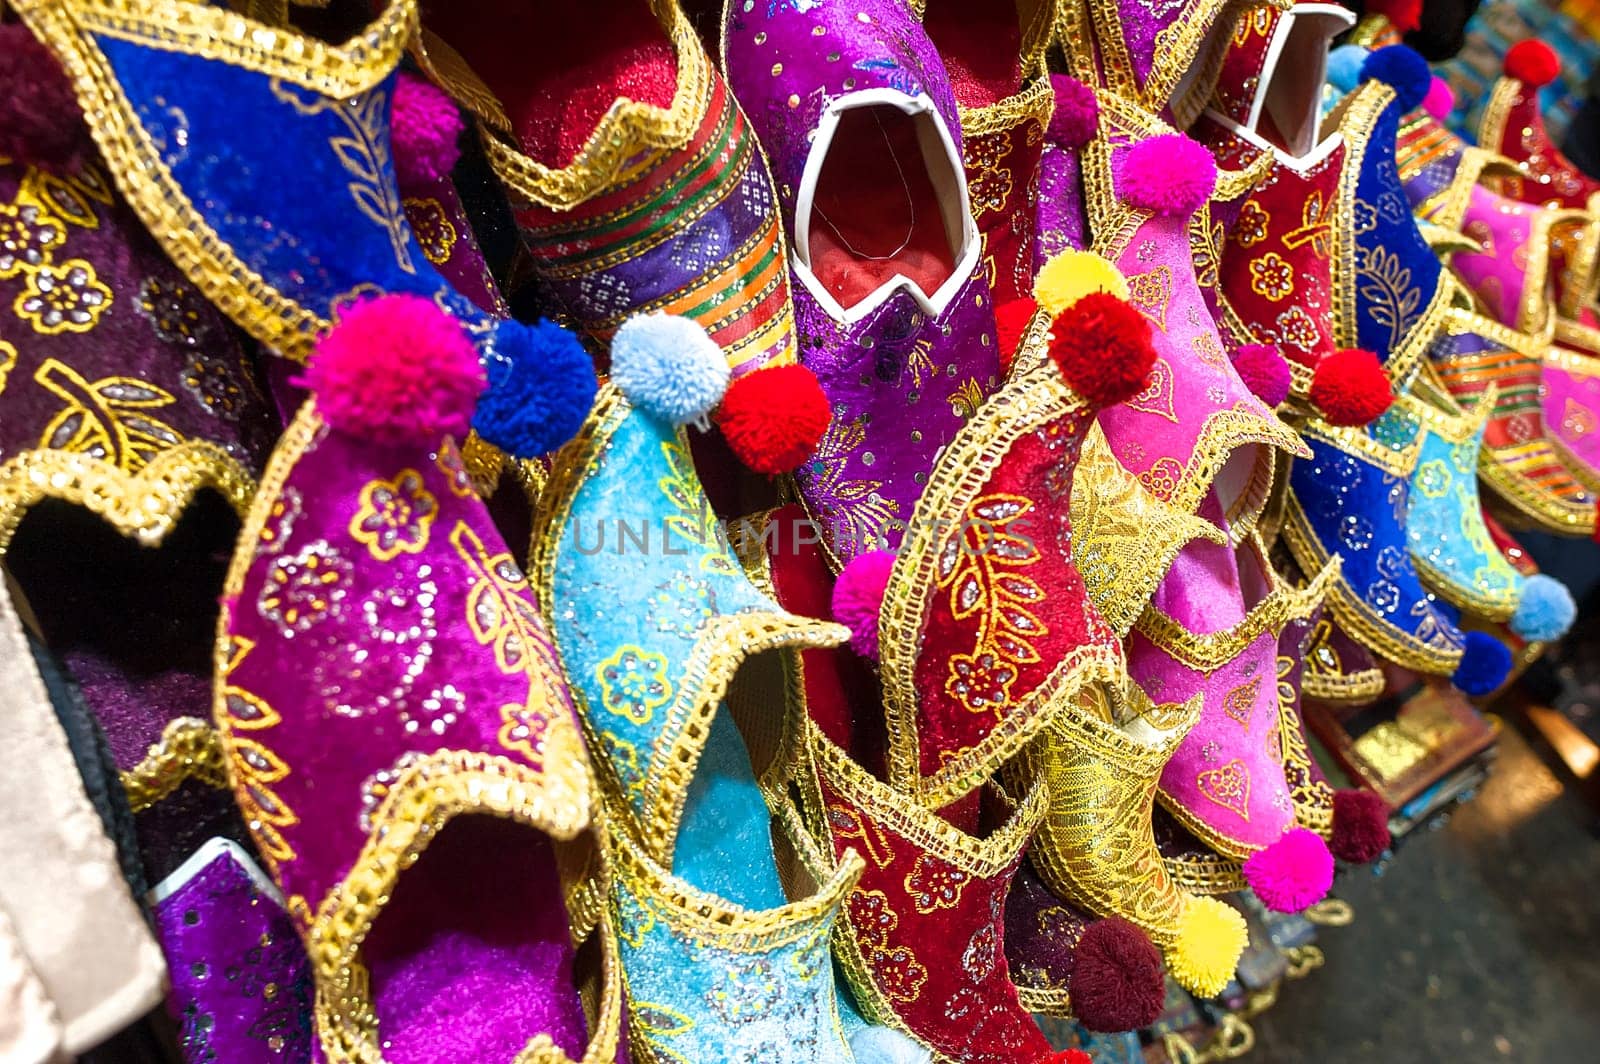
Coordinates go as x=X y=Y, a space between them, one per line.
x=1169 y=174
x=1360 y=826
x=396 y=369
x=1264 y=371
x=1441 y=99
x=858 y=595
x=426 y=132
x=1293 y=873
x=1077 y=113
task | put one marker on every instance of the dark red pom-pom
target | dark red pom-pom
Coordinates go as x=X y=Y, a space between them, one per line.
x=1533 y=63
x=1103 y=347
x=1404 y=15
x=1350 y=387
x=1117 y=983
x=39 y=121
x=1360 y=826
x=1011 y=321
x=773 y=417
x=1264 y=371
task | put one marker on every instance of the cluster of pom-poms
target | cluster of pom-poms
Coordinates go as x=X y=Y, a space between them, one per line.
x=425 y=132
x=1360 y=826
x=1485 y=664
x=1264 y=371
x=1350 y=387
x=1403 y=70
x=1293 y=873
x=1211 y=936
x=1117 y=982
x=858 y=596
x=1171 y=174
x=1101 y=343
x=40 y=120
x=1544 y=611
x=1533 y=63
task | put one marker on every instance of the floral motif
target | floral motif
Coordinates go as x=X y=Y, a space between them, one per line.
x=454 y=467
x=745 y=991
x=1228 y=786
x=1161 y=479
x=1251 y=227
x=898 y=974
x=1297 y=330
x=215 y=384
x=853 y=512
x=634 y=683
x=394 y=517
x=432 y=228
x=286 y=509
x=1240 y=703
x=109 y=419
x=254 y=769
x=694 y=520
x=174 y=309
x=499 y=610
x=301 y=590
x=1433 y=478
x=682 y=605
x=932 y=884
x=981 y=681
x=1271 y=277
x=983 y=950
x=64 y=298
x=989 y=180
x=27 y=234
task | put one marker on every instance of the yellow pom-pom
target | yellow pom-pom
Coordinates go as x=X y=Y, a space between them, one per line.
x=1071 y=275
x=1211 y=936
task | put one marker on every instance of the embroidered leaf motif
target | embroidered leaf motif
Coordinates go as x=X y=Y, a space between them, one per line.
x=694 y=520
x=254 y=767
x=105 y=419
x=1391 y=298
x=498 y=612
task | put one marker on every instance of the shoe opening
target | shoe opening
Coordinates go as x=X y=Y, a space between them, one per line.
x=1287 y=107
x=882 y=205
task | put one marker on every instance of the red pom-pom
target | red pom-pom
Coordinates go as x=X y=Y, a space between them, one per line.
x=1168 y=174
x=1077 y=113
x=1117 y=983
x=1264 y=371
x=1103 y=347
x=1350 y=387
x=1404 y=15
x=1067 y=1056
x=39 y=121
x=1011 y=321
x=1533 y=63
x=858 y=596
x=396 y=369
x=425 y=132
x=1293 y=873
x=1360 y=826
x=773 y=417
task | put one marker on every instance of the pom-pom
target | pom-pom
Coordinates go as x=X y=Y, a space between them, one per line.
x=1077 y=113
x=1441 y=99
x=1403 y=70
x=1403 y=15
x=1211 y=936
x=1533 y=63
x=773 y=417
x=1167 y=174
x=1068 y=277
x=1360 y=826
x=883 y=1045
x=1011 y=321
x=1344 y=66
x=1103 y=348
x=1264 y=371
x=1350 y=387
x=858 y=595
x=541 y=386
x=1117 y=982
x=1545 y=610
x=395 y=369
x=668 y=366
x=425 y=130
x=40 y=121
x=1293 y=873
x=1485 y=664
x=1068 y=1056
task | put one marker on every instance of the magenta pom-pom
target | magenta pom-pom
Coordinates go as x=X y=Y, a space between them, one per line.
x=1169 y=174
x=1360 y=826
x=1441 y=99
x=858 y=595
x=426 y=132
x=39 y=119
x=396 y=369
x=1077 y=113
x=1293 y=873
x=1264 y=371
x=1117 y=983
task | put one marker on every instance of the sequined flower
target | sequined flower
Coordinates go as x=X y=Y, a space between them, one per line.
x=682 y=605
x=633 y=683
x=394 y=516
x=1355 y=532
x=1297 y=330
x=934 y=884
x=1271 y=277
x=64 y=298
x=1433 y=478
x=174 y=310
x=745 y=990
x=217 y=385
x=27 y=234
x=432 y=227
x=1251 y=227
x=1383 y=596
x=982 y=682
x=300 y=590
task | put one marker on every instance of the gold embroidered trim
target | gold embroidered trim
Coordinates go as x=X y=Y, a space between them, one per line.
x=1205 y=873
x=1349 y=688
x=188 y=749
x=1503 y=97
x=1456 y=592
x=144 y=506
x=629 y=129
x=1372 y=31
x=1445 y=241
x=1353 y=440
x=1045 y=1001
x=1581 y=291
x=1035 y=101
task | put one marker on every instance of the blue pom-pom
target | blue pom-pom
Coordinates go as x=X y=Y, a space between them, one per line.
x=881 y=1045
x=1546 y=610
x=1344 y=66
x=1485 y=664
x=1403 y=70
x=541 y=386
x=668 y=367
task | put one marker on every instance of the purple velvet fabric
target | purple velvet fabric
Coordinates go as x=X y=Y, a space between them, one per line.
x=1042 y=933
x=1063 y=225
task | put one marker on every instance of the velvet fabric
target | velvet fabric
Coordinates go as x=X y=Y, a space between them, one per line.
x=1513 y=125
x=443 y=230
x=1569 y=387
x=1062 y=223
x=1042 y=934
x=902 y=374
x=1142 y=52
x=241 y=983
x=1308 y=787
x=1002 y=146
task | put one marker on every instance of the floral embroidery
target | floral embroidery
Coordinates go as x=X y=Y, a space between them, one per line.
x=898 y=974
x=1161 y=479
x=933 y=884
x=1297 y=330
x=683 y=605
x=255 y=770
x=853 y=511
x=64 y=298
x=432 y=228
x=982 y=683
x=1391 y=297
x=1271 y=277
x=694 y=519
x=394 y=516
x=1152 y=293
x=978 y=959
x=1252 y=225
x=744 y=993
x=27 y=234
x=301 y=590
x=1433 y=478
x=174 y=310
x=965 y=400
x=214 y=383
x=454 y=467
x=989 y=181
x=499 y=610
x=107 y=419
x=634 y=683
x=279 y=525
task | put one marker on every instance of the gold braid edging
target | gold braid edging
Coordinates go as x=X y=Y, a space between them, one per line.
x=189 y=748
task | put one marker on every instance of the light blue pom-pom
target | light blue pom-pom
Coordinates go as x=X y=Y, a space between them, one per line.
x=1344 y=66
x=882 y=1045
x=668 y=367
x=1546 y=610
x=1485 y=664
